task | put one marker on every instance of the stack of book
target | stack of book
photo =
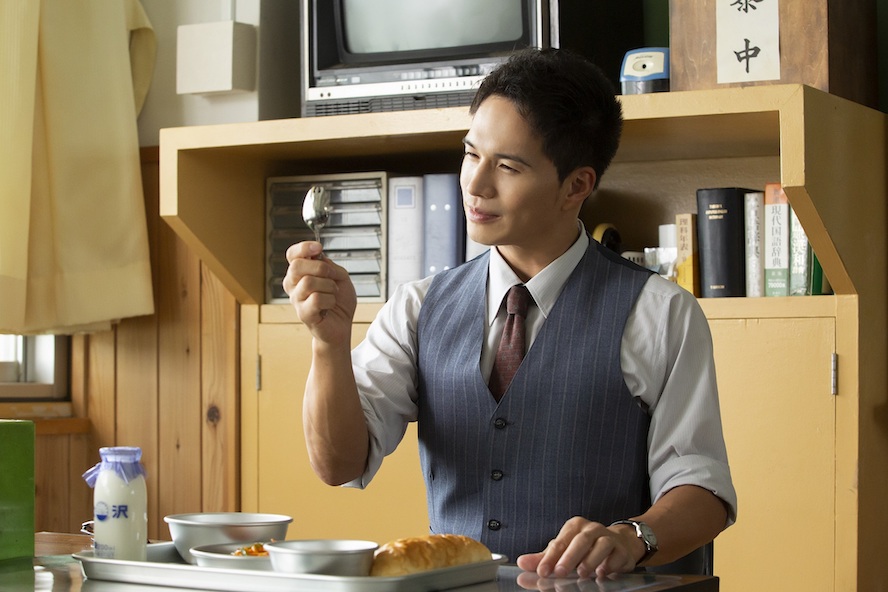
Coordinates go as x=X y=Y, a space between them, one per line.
x=748 y=243
x=426 y=227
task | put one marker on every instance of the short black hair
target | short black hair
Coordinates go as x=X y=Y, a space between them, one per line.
x=567 y=100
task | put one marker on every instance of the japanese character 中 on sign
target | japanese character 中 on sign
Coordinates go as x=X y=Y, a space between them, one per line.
x=747 y=40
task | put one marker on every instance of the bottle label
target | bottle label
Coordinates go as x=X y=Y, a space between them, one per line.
x=117 y=511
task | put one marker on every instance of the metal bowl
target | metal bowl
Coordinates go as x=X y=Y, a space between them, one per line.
x=216 y=528
x=222 y=556
x=337 y=557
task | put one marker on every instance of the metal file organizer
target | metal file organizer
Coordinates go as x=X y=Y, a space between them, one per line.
x=354 y=236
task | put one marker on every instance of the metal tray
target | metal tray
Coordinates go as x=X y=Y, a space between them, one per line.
x=165 y=567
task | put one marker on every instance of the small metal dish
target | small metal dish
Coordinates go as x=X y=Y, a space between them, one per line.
x=222 y=556
x=216 y=528
x=337 y=557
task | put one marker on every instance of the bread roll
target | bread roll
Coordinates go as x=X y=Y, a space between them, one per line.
x=415 y=554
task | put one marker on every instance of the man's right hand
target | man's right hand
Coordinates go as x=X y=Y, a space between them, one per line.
x=321 y=292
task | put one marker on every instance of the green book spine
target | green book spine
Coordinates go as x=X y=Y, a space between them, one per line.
x=800 y=255
x=815 y=279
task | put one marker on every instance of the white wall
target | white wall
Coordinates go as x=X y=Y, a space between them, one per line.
x=276 y=93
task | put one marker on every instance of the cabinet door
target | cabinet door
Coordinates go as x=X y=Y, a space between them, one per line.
x=392 y=506
x=774 y=380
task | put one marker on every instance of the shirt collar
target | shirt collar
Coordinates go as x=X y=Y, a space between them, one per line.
x=544 y=286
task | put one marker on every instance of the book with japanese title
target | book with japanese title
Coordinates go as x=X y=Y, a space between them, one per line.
x=806 y=276
x=754 y=213
x=801 y=258
x=777 y=225
x=687 y=262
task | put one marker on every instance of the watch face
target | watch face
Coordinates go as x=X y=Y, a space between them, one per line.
x=648 y=534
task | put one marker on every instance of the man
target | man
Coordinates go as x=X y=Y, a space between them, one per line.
x=614 y=405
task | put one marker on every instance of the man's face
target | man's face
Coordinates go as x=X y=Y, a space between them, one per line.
x=511 y=193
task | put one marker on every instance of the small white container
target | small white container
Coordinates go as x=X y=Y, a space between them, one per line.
x=120 y=504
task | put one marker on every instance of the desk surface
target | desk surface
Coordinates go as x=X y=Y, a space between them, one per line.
x=55 y=570
x=59 y=543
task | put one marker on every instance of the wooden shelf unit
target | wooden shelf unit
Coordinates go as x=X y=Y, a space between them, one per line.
x=808 y=441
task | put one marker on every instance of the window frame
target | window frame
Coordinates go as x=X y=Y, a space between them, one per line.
x=56 y=389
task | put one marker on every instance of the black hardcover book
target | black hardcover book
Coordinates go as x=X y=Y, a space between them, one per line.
x=721 y=241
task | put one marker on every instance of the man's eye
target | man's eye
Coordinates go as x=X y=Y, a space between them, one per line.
x=507 y=168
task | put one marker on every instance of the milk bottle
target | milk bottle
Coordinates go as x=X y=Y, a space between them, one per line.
x=120 y=510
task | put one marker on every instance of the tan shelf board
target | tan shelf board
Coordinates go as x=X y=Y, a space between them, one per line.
x=330 y=148
x=769 y=307
x=342 y=134
x=714 y=308
x=721 y=101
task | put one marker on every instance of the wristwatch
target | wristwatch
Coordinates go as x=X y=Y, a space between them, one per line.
x=646 y=535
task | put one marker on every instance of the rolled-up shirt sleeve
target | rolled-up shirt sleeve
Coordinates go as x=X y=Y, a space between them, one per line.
x=668 y=363
x=385 y=372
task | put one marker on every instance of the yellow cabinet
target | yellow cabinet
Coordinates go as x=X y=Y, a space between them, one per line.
x=803 y=381
x=779 y=417
x=392 y=506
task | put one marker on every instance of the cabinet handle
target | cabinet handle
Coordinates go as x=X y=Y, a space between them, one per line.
x=258 y=373
x=834 y=374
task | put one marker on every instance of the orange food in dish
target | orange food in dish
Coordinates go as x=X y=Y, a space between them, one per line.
x=254 y=550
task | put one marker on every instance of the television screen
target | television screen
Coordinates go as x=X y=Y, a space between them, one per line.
x=383 y=26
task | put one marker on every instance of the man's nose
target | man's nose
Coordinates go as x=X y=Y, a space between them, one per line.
x=477 y=181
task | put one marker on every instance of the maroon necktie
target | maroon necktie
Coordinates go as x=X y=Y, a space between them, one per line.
x=512 y=345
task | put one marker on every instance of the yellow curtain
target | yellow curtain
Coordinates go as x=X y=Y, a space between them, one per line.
x=73 y=237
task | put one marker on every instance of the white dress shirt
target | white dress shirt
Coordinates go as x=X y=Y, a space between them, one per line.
x=666 y=357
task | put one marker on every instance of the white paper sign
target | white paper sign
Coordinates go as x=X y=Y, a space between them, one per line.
x=747 y=40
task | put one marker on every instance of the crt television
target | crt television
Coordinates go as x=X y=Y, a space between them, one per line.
x=363 y=56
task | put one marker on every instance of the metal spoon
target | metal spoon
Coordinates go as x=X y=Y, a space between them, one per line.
x=316 y=209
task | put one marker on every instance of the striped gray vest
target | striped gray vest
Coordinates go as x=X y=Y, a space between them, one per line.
x=567 y=439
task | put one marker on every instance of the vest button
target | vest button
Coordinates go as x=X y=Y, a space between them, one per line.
x=496 y=475
x=499 y=423
x=494 y=524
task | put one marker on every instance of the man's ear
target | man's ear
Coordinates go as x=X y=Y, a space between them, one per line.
x=580 y=182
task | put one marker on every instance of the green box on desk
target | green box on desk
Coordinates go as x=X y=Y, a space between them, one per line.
x=16 y=489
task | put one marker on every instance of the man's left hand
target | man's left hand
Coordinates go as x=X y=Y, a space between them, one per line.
x=589 y=548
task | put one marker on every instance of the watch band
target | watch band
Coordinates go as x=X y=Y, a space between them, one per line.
x=646 y=535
